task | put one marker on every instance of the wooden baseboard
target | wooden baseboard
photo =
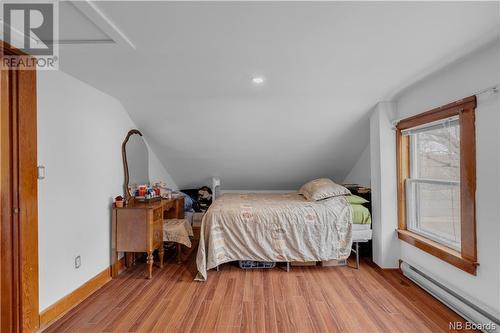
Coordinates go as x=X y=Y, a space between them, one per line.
x=120 y=265
x=68 y=302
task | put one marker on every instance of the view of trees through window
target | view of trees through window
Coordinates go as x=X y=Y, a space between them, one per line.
x=439 y=154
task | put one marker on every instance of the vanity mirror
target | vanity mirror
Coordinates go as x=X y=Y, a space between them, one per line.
x=135 y=162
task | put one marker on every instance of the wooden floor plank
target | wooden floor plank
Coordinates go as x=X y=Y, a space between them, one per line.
x=306 y=299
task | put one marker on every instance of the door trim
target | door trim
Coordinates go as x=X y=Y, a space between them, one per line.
x=19 y=305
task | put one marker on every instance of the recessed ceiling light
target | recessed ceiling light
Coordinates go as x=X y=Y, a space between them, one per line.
x=257 y=80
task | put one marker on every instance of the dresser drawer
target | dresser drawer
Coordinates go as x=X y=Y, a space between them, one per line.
x=158 y=214
x=131 y=230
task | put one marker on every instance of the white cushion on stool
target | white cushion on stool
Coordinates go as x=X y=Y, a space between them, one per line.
x=177 y=230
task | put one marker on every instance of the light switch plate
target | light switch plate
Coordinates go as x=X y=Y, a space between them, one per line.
x=41 y=172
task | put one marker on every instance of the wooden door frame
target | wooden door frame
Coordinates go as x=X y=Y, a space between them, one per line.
x=19 y=307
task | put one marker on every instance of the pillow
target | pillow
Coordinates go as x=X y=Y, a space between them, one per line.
x=322 y=188
x=355 y=200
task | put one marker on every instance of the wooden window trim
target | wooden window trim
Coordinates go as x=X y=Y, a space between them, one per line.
x=466 y=258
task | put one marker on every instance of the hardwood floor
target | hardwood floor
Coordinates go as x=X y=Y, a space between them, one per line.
x=307 y=299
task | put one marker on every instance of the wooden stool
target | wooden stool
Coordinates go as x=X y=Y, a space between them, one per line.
x=178 y=231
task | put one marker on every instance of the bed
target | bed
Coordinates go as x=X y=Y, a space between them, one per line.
x=361 y=227
x=275 y=227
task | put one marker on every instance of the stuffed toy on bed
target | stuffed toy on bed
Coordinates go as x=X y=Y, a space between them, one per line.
x=201 y=198
x=204 y=197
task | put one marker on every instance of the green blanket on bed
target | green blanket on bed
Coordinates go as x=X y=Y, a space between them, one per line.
x=360 y=214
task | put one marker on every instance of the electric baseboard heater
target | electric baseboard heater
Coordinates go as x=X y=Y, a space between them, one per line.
x=478 y=318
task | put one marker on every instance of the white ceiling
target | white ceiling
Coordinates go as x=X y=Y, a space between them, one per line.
x=187 y=84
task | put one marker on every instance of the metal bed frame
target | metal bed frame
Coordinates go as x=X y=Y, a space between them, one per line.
x=355 y=250
x=356 y=244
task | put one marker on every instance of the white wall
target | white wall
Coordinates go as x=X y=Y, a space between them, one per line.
x=478 y=71
x=383 y=183
x=80 y=132
x=158 y=173
x=361 y=172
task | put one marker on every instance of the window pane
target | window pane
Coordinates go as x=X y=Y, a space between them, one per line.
x=436 y=211
x=437 y=154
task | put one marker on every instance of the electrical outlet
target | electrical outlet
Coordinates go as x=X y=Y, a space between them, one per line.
x=78 y=262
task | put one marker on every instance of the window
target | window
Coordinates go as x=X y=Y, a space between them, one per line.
x=436 y=182
x=433 y=188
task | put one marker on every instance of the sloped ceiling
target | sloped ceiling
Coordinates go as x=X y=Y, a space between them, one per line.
x=187 y=83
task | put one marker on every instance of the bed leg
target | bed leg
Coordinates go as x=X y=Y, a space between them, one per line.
x=357 y=255
x=217 y=268
x=287 y=266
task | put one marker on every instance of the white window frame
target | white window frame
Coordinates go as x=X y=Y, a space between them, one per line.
x=412 y=211
x=411 y=188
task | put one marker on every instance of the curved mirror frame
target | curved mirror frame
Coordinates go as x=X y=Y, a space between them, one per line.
x=127 y=163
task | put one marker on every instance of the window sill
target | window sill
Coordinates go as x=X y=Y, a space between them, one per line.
x=440 y=251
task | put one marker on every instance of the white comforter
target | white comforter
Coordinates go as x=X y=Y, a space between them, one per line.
x=273 y=227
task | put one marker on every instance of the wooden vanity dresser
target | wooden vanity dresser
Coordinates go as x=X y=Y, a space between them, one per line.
x=138 y=227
